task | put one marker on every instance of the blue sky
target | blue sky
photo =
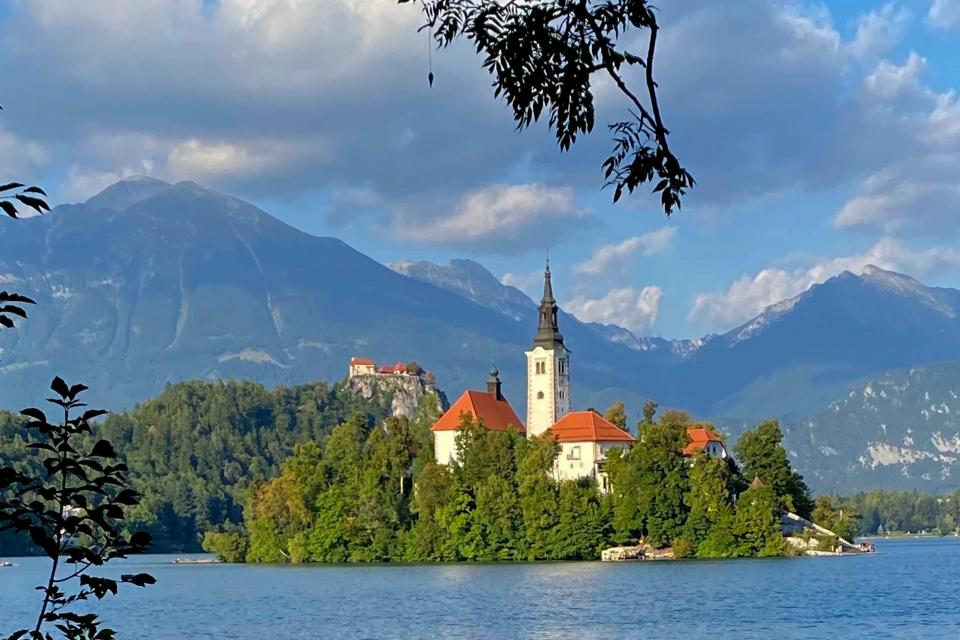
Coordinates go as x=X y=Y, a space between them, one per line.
x=824 y=137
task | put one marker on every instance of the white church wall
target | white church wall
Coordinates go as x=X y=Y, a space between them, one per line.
x=445 y=447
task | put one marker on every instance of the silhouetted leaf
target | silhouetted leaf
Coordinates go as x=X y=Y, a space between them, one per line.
x=103 y=449
x=34 y=203
x=8 y=208
x=139 y=579
x=60 y=387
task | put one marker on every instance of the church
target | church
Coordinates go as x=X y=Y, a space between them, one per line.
x=585 y=437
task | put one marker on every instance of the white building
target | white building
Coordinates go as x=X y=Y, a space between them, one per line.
x=488 y=407
x=362 y=367
x=585 y=439
x=548 y=369
x=705 y=439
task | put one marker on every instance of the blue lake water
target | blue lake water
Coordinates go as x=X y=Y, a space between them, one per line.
x=908 y=589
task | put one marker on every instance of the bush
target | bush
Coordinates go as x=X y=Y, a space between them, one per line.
x=682 y=548
x=230 y=546
x=827 y=543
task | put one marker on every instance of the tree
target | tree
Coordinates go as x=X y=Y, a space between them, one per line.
x=229 y=546
x=544 y=56
x=842 y=519
x=539 y=499
x=761 y=455
x=649 y=411
x=757 y=523
x=617 y=414
x=74 y=512
x=711 y=510
x=649 y=483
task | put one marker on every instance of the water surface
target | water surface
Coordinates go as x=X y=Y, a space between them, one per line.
x=909 y=589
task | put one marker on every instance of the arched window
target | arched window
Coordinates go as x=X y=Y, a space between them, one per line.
x=539 y=395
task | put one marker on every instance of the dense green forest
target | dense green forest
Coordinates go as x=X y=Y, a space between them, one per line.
x=377 y=496
x=304 y=473
x=195 y=450
x=882 y=512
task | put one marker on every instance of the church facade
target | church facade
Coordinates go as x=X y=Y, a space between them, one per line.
x=584 y=436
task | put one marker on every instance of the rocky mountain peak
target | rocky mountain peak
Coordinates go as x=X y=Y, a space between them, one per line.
x=126 y=193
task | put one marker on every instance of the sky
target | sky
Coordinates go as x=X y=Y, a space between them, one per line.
x=823 y=137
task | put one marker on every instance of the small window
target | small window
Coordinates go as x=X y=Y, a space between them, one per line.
x=561 y=394
x=575 y=452
x=539 y=395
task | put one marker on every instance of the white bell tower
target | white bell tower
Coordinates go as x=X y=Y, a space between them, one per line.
x=548 y=368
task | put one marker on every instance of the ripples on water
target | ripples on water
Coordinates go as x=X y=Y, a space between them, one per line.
x=909 y=589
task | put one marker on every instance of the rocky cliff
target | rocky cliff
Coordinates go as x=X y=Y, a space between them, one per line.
x=406 y=393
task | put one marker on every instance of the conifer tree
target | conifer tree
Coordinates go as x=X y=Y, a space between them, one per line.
x=757 y=523
x=710 y=504
x=761 y=454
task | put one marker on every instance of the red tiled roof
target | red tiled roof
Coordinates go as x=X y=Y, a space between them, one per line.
x=363 y=361
x=700 y=437
x=394 y=368
x=587 y=426
x=496 y=415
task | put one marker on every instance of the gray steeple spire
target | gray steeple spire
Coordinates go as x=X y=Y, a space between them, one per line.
x=548 y=333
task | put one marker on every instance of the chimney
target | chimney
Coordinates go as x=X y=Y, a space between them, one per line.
x=493 y=384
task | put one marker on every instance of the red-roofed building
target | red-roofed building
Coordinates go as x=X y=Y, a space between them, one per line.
x=705 y=439
x=585 y=438
x=362 y=367
x=488 y=407
x=398 y=369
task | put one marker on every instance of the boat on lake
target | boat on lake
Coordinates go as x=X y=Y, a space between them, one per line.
x=195 y=561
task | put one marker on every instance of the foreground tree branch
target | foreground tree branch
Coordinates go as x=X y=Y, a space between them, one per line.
x=543 y=55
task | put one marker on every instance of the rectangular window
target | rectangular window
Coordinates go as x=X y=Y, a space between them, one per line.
x=575 y=452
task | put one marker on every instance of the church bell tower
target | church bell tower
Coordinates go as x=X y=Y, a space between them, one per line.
x=548 y=368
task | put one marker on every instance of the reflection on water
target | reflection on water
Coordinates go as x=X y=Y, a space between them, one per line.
x=907 y=590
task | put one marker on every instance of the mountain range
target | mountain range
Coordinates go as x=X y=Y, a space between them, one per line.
x=149 y=283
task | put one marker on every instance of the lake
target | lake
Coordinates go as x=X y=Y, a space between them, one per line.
x=908 y=589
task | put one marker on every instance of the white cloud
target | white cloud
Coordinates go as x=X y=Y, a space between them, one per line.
x=634 y=309
x=920 y=197
x=945 y=14
x=879 y=31
x=19 y=156
x=84 y=183
x=890 y=81
x=917 y=134
x=259 y=96
x=497 y=219
x=195 y=159
x=612 y=256
x=530 y=283
x=750 y=295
